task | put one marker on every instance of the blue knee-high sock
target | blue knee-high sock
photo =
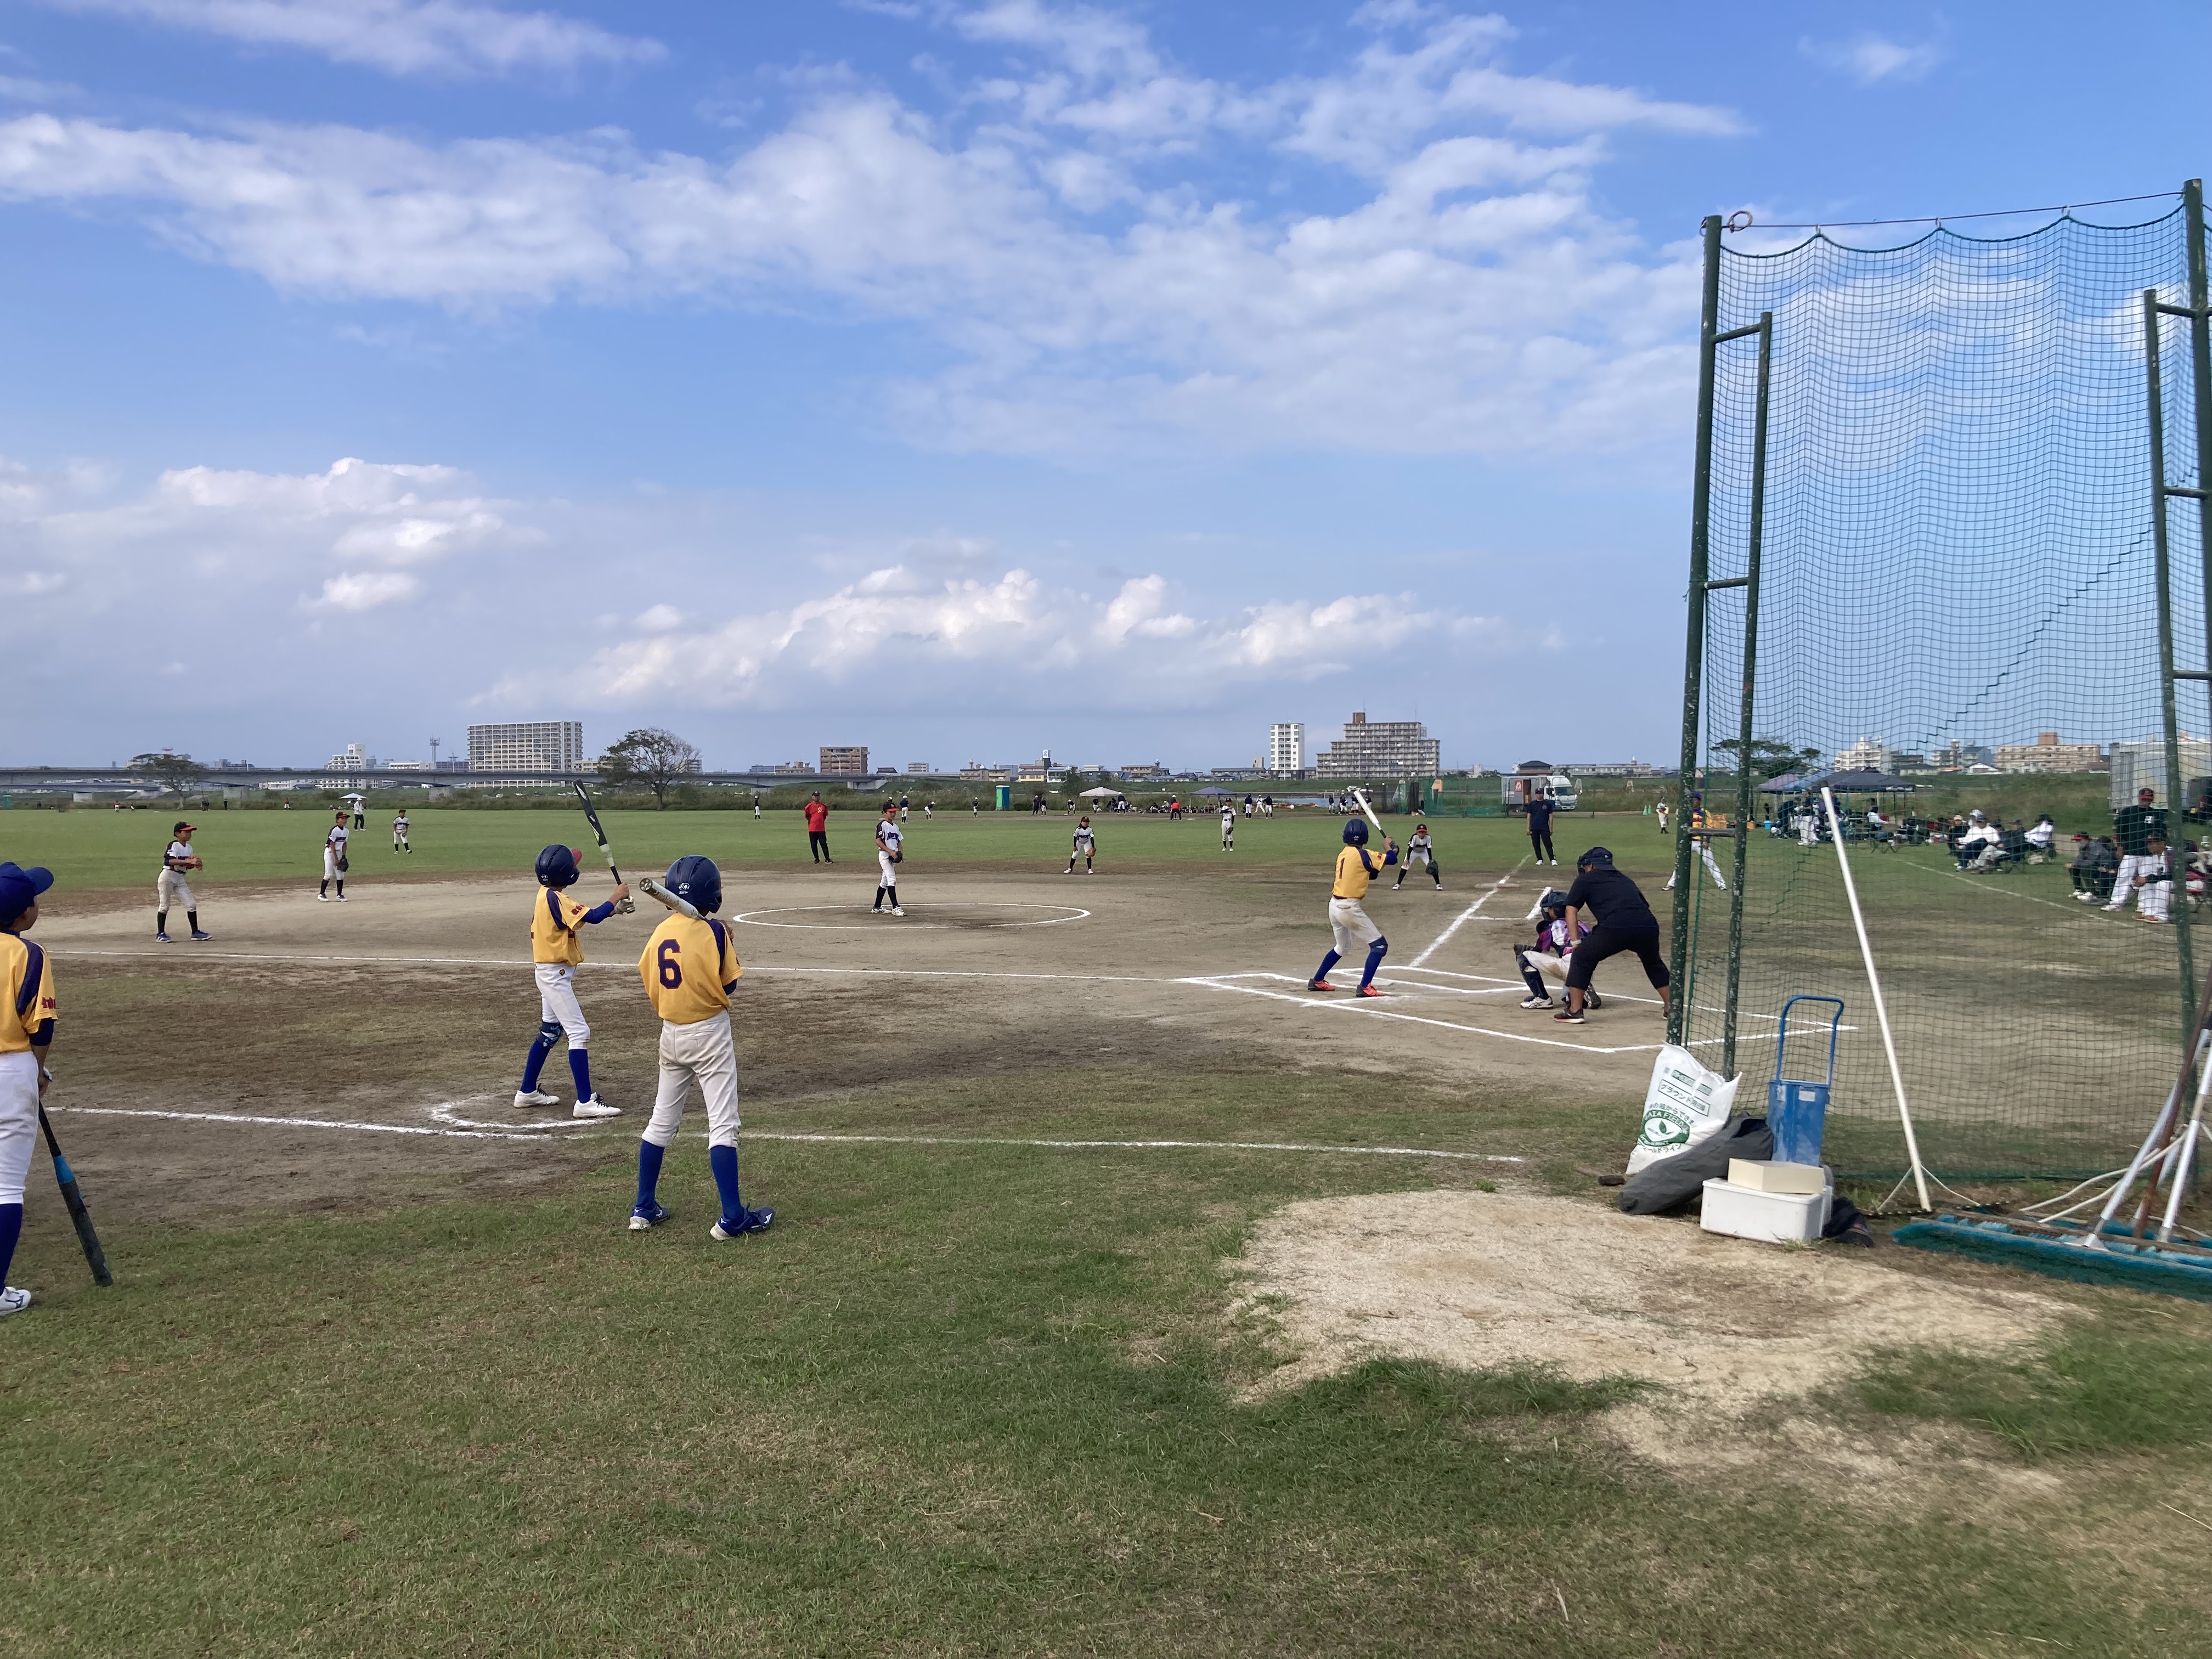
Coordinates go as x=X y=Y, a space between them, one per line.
x=580 y=1067
x=1375 y=953
x=11 y=1229
x=723 y=1160
x=1328 y=962
x=648 y=1171
x=541 y=1046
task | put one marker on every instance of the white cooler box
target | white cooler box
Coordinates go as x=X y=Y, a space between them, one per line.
x=1750 y=1209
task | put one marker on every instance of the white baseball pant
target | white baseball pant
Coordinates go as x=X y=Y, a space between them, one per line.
x=330 y=864
x=1549 y=967
x=2157 y=899
x=18 y=1121
x=888 y=871
x=2133 y=865
x=702 y=1054
x=173 y=892
x=1354 y=931
x=557 y=999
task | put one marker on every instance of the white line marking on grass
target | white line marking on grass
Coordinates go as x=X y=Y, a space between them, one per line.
x=752 y=918
x=621 y=966
x=445 y=1115
x=1367 y=1007
x=820 y=1138
x=1437 y=944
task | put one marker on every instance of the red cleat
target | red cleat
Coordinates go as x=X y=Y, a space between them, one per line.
x=1319 y=984
x=1369 y=991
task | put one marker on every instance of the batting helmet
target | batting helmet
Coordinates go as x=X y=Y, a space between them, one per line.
x=1596 y=855
x=694 y=878
x=557 y=866
x=1355 y=832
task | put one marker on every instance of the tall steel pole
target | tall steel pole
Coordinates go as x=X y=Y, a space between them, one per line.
x=2159 y=491
x=1693 y=652
x=1745 y=778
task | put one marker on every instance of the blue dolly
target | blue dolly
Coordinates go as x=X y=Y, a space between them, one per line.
x=1797 y=1108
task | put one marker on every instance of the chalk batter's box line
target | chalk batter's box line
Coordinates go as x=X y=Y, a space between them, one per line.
x=823 y=1138
x=622 y=967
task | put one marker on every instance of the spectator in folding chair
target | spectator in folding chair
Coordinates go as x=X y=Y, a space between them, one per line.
x=1976 y=848
x=2154 y=885
x=2042 y=839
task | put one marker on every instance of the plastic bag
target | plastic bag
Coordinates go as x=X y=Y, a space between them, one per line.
x=1686 y=1105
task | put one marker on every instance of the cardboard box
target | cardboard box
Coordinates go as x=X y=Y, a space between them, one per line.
x=1767 y=1175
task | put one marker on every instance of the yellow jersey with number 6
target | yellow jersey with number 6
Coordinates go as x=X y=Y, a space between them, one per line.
x=689 y=968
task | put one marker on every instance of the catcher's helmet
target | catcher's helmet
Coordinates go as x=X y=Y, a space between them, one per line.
x=1553 y=903
x=557 y=866
x=1355 y=832
x=1596 y=855
x=694 y=878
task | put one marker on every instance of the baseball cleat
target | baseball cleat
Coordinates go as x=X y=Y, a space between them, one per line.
x=341 y=898
x=1535 y=1002
x=160 y=938
x=897 y=911
x=595 y=1108
x=14 y=1301
x=202 y=936
x=1369 y=991
x=1569 y=1016
x=748 y=1221
x=1592 y=1001
x=535 y=1098
x=645 y=1217
x=323 y=897
x=1319 y=984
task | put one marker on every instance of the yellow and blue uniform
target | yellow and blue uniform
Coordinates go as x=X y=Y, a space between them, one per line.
x=26 y=978
x=554 y=920
x=1348 y=919
x=1354 y=870
x=689 y=968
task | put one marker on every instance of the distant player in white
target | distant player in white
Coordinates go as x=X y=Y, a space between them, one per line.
x=1417 y=847
x=334 y=859
x=399 y=832
x=1229 y=826
x=360 y=811
x=1086 y=845
x=888 y=855
x=172 y=888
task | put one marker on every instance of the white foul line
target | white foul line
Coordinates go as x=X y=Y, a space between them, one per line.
x=622 y=967
x=1436 y=944
x=1372 y=1012
x=823 y=1138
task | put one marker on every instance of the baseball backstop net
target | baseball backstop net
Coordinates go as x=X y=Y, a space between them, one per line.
x=1945 y=509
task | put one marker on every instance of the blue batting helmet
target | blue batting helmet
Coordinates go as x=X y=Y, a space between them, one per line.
x=557 y=866
x=695 y=879
x=1355 y=832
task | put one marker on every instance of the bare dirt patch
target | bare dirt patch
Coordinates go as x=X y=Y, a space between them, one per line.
x=1477 y=1281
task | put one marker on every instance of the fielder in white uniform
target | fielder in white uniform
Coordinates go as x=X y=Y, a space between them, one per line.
x=1418 y=846
x=26 y=1036
x=334 y=858
x=889 y=856
x=1229 y=826
x=171 y=888
x=399 y=832
x=689 y=968
x=1086 y=846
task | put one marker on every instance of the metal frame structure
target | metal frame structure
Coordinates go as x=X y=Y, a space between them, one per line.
x=1711 y=336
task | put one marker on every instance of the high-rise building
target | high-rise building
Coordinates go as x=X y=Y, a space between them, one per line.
x=2047 y=754
x=527 y=746
x=1381 y=749
x=843 y=759
x=351 y=758
x=1286 y=748
x=917 y=766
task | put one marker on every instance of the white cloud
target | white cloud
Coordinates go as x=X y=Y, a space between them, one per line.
x=366 y=591
x=1871 y=59
x=34 y=583
x=1056 y=226
x=659 y=618
x=991 y=633
x=438 y=38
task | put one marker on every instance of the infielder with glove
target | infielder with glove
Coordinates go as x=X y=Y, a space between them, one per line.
x=689 y=968
x=1086 y=848
x=1355 y=868
x=1418 y=846
x=334 y=858
x=556 y=948
x=27 y=1034
x=889 y=856
x=171 y=888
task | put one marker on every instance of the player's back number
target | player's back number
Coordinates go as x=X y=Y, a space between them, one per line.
x=671 y=971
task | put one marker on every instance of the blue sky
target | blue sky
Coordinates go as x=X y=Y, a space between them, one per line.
x=957 y=379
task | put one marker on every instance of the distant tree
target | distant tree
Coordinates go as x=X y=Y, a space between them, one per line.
x=1770 y=757
x=176 y=773
x=651 y=755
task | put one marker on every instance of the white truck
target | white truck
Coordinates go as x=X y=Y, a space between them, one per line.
x=1533 y=780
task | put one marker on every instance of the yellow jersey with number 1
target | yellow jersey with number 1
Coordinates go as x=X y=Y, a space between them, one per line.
x=1353 y=873
x=689 y=968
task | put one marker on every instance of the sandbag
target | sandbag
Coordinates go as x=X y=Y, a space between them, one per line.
x=1685 y=1104
x=1673 y=1184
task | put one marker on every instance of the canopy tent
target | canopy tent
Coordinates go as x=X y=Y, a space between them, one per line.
x=1102 y=793
x=1844 y=783
x=1215 y=791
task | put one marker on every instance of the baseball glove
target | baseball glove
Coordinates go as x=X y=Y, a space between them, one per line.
x=343 y=867
x=899 y=857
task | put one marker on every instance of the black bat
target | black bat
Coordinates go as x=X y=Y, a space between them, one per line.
x=94 y=1255
x=592 y=813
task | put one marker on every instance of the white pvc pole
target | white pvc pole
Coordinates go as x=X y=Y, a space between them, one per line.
x=1880 y=1008
x=2178 y=1176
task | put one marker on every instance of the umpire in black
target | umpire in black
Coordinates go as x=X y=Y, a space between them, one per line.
x=1623 y=921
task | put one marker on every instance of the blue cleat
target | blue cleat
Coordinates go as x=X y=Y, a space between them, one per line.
x=160 y=938
x=200 y=935
x=749 y=1221
x=645 y=1216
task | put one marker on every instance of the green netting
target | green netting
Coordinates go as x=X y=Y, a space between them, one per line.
x=1957 y=556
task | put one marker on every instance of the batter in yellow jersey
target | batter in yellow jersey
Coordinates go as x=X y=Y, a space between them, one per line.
x=556 y=923
x=689 y=968
x=1355 y=867
x=27 y=1033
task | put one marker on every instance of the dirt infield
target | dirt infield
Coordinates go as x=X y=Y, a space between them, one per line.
x=404 y=1012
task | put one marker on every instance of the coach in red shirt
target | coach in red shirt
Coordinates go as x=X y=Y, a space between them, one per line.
x=818 y=829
